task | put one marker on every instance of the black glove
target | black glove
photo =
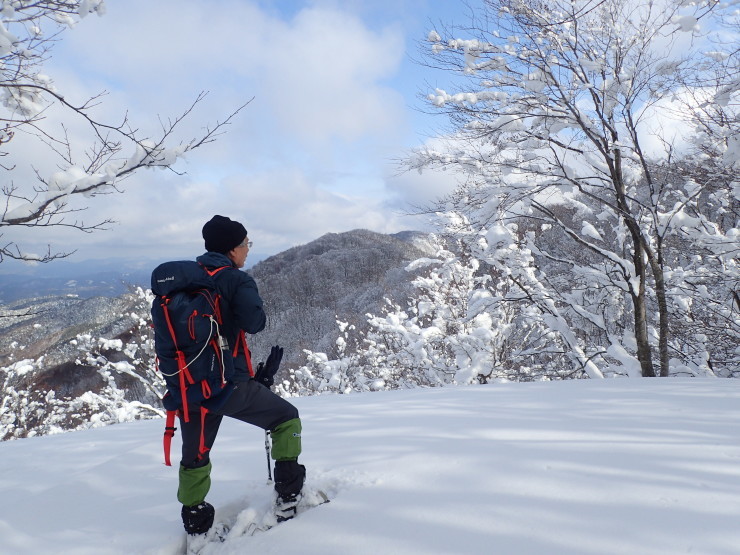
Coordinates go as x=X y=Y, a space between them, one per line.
x=266 y=370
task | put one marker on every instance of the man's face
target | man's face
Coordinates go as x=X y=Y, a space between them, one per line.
x=238 y=255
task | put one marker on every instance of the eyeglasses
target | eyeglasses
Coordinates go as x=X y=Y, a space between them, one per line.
x=245 y=243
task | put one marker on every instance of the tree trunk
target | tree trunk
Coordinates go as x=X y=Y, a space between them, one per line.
x=644 y=353
x=639 y=302
x=663 y=328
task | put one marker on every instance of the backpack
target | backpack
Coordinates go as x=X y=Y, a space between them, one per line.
x=192 y=355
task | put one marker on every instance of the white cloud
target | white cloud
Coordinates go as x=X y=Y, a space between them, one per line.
x=315 y=77
x=324 y=74
x=420 y=190
x=161 y=216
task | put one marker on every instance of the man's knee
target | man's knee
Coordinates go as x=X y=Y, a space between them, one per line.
x=291 y=413
x=281 y=412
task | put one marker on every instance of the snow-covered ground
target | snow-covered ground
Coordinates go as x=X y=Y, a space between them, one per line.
x=599 y=467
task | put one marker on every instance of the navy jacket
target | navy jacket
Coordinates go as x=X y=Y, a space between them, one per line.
x=243 y=304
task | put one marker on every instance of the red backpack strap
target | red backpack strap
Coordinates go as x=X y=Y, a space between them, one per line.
x=185 y=378
x=202 y=449
x=215 y=270
x=241 y=341
x=169 y=432
x=217 y=301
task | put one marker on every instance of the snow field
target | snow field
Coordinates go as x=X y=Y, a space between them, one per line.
x=580 y=467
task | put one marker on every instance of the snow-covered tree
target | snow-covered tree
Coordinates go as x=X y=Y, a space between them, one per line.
x=342 y=373
x=705 y=246
x=128 y=358
x=31 y=106
x=458 y=328
x=113 y=380
x=560 y=113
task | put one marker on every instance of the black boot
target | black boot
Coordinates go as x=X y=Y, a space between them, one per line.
x=198 y=519
x=289 y=478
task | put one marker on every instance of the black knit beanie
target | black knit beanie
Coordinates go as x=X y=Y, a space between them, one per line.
x=222 y=234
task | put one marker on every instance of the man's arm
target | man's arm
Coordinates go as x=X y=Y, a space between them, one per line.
x=246 y=305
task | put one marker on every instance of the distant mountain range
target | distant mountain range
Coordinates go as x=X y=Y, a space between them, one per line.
x=109 y=283
x=91 y=278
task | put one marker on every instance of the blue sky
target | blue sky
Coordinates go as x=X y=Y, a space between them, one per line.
x=335 y=104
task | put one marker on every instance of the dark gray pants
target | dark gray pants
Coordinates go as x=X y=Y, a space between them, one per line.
x=250 y=402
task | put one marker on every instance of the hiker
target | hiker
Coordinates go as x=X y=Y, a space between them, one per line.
x=250 y=401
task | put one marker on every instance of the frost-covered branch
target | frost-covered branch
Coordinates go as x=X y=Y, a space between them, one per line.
x=116 y=149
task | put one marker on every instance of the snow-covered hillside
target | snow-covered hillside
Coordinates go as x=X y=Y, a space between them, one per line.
x=577 y=467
